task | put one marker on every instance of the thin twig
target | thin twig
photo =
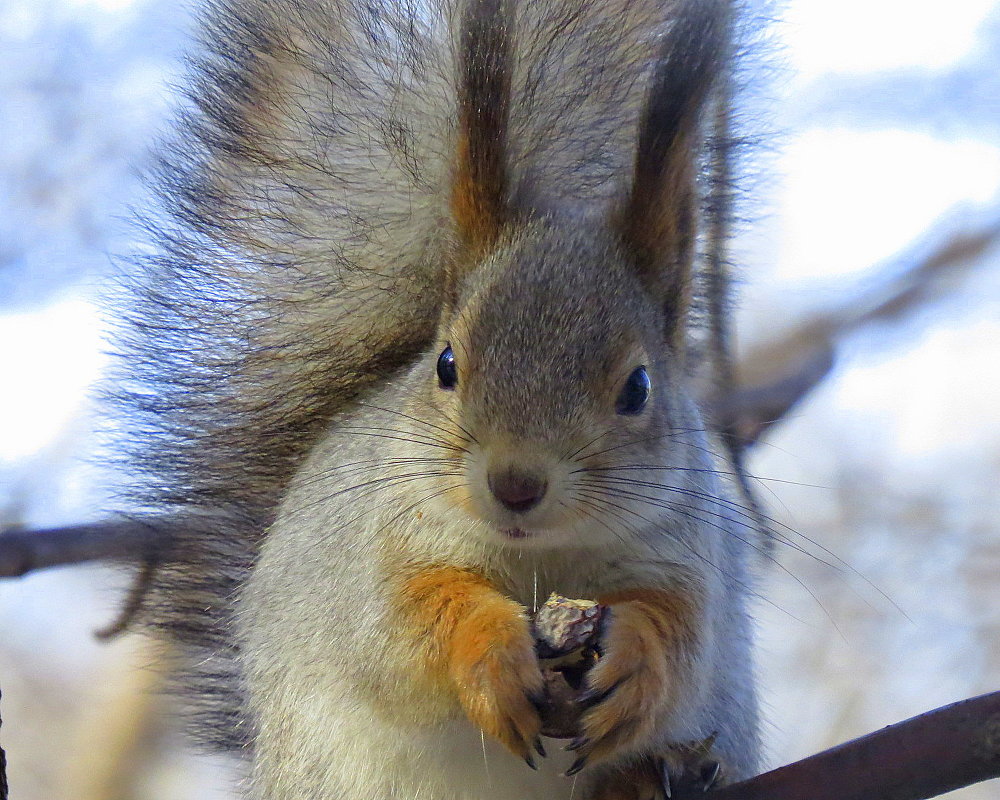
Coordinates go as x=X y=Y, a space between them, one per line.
x=141 y=584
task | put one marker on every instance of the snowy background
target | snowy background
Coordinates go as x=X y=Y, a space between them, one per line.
x=890 y=121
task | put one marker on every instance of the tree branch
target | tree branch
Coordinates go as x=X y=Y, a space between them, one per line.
x=23 y=551
x=923 y=757
x=775 y=377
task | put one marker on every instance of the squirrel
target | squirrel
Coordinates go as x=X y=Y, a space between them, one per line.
x=423 y=339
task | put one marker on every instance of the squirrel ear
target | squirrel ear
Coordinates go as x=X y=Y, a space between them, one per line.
x=480 y=192
x=659 y=218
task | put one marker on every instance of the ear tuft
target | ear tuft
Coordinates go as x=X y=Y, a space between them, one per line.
x=479 y=202
x=659 y=220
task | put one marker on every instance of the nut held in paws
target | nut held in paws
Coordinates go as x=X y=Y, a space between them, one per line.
x=567 y=640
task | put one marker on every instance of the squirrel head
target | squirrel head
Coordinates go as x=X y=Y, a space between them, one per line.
x=560 y=349
x=554 y=363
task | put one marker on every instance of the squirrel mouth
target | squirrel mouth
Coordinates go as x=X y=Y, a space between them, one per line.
x=515 y=533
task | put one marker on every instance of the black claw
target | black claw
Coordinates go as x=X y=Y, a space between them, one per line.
x=587 y=699
x=576 y=766
x=710 y=774
x=577 y=743
x=530 y=761
x=592 y=697
x=537 y=700
x=538 y=747
x=667 y=790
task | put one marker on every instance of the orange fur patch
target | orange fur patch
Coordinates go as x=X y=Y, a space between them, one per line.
x=673 y=615
x=477 y=642
x=437 y=600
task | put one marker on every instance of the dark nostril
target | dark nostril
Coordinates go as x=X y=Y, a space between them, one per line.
x=517 y=491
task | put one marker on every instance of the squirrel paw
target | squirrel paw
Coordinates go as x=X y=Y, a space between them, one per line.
x=687 y=772
x=625 y=690
x=499 y=681
x=691 y=769
x=641 y=780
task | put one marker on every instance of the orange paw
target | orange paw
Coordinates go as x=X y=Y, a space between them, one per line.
x=479 y=644
x=625 y=690
x=495 y=670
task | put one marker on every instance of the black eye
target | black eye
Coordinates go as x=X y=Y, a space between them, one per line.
x=447 y=373
x=634 y=393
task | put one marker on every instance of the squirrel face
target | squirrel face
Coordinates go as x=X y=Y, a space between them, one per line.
x=554 y=362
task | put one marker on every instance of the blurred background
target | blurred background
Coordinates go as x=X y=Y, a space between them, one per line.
x=883 y=168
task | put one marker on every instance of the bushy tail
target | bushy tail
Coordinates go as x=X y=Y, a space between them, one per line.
x=297 y=262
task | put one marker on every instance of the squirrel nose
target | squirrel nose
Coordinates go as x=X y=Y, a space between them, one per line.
x=517 y=491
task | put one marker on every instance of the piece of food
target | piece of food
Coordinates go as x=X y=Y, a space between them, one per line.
x=567 y=640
